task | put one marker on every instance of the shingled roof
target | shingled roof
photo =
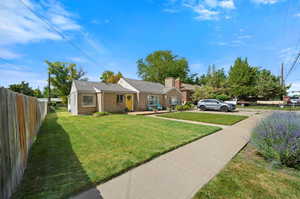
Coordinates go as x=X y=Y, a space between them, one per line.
x=99 y=86
x=145 y=86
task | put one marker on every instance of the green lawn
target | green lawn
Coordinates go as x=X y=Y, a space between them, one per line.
x=286 y=108
x=72 y=153
x=206 y=117
x=248 y=175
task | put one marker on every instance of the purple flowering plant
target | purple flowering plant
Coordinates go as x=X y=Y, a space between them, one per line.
x=277 y=138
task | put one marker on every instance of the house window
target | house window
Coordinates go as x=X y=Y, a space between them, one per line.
x=174 y=100
x=88 y=100
x=153 y=99
x=120 y=99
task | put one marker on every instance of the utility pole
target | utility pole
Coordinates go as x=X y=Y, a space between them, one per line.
x=49 y=91
x=282 y=78
x=282 y=75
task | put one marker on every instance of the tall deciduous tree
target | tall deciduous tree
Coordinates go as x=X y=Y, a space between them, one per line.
x=215 y=78
x=204 y=92
x=37 y=93
x=62 y=75
x=110 y=77
x=242 y=79
x=268 y=86
x=23 y=88
x=162 y=64
x=54 y=92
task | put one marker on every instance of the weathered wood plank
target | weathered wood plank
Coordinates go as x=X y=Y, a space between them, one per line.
x=20 y=118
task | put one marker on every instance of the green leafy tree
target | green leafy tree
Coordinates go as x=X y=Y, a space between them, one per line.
x=215 y=78
x=37 y=93
x=23 y=88
x=203 y=80
x=162 y=64
x=62 y=75
x=110 y=77
x=191 y=79
x=204 y=92
x=242 y=79
x=268 y=86
x=54 y=92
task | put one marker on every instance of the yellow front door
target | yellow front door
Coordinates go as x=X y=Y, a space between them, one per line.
x=129 y=102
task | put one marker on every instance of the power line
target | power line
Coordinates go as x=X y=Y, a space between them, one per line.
x=56 y=29
x=84 y=35
x=293 y=65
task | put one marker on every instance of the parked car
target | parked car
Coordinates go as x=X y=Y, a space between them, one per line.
x=213 y=104
x=295 y=100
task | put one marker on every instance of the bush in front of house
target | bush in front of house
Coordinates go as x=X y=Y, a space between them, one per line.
x=186 y=107
x=99 y=114
x=277 y=138
x=223 y=97
x=179 y=107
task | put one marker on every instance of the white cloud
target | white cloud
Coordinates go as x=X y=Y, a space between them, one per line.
x=19 y=26
x=229 y=4
x=265 y=1
x=211 y=3
x=7 y=54
x=59 y=16
x=205 y=14
x=209 y=9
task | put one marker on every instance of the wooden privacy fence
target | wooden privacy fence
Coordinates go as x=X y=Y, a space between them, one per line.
x=20 y=119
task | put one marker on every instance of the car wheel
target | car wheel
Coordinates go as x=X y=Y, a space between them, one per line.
x=202 y=108
x=224 y=108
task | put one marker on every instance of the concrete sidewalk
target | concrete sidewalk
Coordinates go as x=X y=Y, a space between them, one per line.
x=191 y=122
x=178 y=174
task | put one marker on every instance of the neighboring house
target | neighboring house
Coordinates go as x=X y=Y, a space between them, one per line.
x=134 y=95
x=187 y=90
x=57 y=100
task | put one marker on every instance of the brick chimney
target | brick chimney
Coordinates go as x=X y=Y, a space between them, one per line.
x=178 y=83
x=170 y=82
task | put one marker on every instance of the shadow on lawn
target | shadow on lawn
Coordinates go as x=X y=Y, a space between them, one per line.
x=53 y=169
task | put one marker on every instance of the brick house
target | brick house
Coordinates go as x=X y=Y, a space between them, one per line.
x=186 y=90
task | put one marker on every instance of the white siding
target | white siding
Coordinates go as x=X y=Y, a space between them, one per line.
x=74 y=103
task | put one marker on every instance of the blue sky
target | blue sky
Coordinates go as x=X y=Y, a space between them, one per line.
x=117 y=33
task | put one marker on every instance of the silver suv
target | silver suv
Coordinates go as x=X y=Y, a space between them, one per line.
x=213 y=104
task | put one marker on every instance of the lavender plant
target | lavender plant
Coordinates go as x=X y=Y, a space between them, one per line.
x=277 y=138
